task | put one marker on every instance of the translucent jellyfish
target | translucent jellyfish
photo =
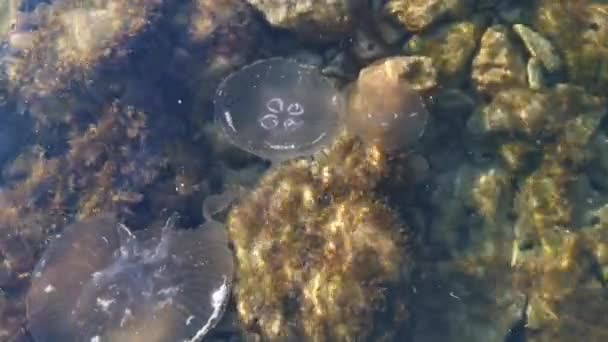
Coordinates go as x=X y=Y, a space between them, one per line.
x=278 y=109
x=385 y=110
x=98 y=281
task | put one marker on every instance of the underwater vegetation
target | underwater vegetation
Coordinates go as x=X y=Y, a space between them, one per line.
x=97 y=280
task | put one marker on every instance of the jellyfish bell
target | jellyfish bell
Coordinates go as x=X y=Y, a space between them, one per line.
x=98 y=281
x=385 y=110
x=278 y=109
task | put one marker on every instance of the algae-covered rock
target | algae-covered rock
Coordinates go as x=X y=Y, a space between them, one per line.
x=417 y=15
x=498 y=65
x=317 y=255
x=579 y=29
x=536 y=113
x=475 y=200
x=545 y=200
x=71 y=37
x=450 y=46
x=533 y=216
x=579 y=317
x=516 y=155
x=320 y=20
x=491 y=193
x=516 y=110
x=565 y=296
x=539 y=47
x=558 y=252
x=467 y=281
x=8 y=11
x=536 y=79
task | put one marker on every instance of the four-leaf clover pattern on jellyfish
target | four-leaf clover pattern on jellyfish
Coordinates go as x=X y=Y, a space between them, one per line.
x=282 y=116
x=278 y=109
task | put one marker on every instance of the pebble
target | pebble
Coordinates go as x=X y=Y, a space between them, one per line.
x=498 y=65
x=539 y=47
x=451 y=47
x=515 y=110
x=535 y=73
x=418 y=15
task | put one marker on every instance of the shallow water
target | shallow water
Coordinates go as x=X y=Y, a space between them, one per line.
x=108 y=107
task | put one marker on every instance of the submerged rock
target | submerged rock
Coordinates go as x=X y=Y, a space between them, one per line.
x=560 y=231
x=579 y=30
x=278 y=109
x=498 y=64
x=516 y=110
x=417 y=15
x=8 y=12
x=451 y=47
x=535 y=113
x=67 y=39
x=99 y=281
x=539 y=47
x=536 y=78
x=314 y=19
x=318 y=257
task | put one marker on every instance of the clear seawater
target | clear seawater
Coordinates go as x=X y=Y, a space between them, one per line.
x=130 y=129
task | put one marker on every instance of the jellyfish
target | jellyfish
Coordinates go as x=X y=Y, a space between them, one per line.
x=98 y=281
x=278 y=109
x=385 y=110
